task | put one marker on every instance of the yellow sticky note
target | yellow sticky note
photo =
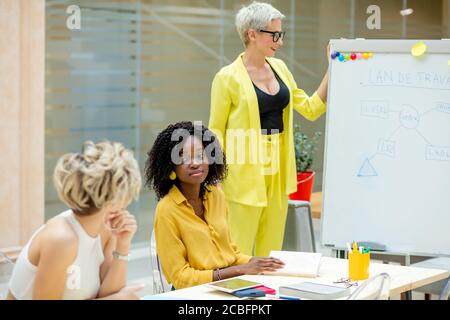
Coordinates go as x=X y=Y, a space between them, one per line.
x=418 y=49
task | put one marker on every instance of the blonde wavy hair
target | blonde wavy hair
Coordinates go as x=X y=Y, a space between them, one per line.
x=102 y=174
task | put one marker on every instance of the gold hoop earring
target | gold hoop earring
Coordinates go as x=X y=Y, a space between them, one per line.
x=172 y=175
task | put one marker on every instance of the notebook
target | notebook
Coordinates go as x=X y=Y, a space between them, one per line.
x=297 y=264
x=315 y=291
x=267 y=290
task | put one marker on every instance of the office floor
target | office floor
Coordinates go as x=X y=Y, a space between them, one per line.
x=140 y=271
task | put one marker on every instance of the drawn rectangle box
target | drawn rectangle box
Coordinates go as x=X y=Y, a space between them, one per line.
x=443 y=107
x=386 y=147
x=375 y=109
x=437 y=153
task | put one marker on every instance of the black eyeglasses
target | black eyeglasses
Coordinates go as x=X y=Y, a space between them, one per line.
x=276 y=35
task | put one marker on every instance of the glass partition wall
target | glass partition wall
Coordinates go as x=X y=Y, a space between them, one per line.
x=135 y=66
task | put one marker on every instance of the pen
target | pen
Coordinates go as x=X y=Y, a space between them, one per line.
x=289 y=298
x=274 y=296
x=361 y=249
x=355 y=247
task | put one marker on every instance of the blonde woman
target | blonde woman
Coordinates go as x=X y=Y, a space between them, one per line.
x=83 y=252
x=252 y=103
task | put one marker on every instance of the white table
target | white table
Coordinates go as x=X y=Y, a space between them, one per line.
x=403 y=279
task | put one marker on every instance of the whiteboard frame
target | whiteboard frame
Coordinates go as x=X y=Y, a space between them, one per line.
x=388 y=46
x=377 y=46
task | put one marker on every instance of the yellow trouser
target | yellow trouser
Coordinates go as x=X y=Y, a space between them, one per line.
x=262 y=227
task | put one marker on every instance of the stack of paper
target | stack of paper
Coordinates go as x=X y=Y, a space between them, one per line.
x=297 y=264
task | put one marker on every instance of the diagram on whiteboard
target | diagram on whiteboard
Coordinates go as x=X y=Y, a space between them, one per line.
x=409 y=119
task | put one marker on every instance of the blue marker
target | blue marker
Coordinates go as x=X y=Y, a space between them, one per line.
x=289 y=298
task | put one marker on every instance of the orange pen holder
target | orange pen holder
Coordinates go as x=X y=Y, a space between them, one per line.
x=358 y=265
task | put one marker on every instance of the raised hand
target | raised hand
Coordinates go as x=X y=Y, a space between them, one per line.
x=123 y=226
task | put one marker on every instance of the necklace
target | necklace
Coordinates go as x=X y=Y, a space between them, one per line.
x=197 y=205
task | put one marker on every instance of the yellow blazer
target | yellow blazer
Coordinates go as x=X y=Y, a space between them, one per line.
x=234 y=105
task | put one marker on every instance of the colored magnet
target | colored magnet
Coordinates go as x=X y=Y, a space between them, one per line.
x=353 y=56
x=359 y=55
x=341 y=57
x=365 y=56
x=418 y=49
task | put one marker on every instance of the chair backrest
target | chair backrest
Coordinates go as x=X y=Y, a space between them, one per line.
x=446 y=291
x=6 y=270
x=160 y=284
x=375 y=288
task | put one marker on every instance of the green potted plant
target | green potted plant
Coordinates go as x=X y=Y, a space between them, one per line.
x=305 y=149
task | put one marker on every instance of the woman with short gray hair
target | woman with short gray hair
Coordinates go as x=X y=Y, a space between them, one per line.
x=257 y=94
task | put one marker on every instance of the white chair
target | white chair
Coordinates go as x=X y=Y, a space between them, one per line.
x=375 y=288
x=440 y=288
x=160 y=284
x=6 y=269
x=445 y=292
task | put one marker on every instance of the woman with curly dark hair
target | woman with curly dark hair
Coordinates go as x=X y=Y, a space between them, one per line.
x=184 y=167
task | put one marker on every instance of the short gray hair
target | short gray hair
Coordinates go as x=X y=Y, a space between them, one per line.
x=257 y=15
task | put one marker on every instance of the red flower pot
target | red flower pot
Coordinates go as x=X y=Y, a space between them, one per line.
x=305 y=182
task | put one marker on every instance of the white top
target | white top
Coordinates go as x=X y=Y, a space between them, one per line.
x=83 y=276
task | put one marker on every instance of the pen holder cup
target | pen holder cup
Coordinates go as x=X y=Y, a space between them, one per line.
x=358 y=266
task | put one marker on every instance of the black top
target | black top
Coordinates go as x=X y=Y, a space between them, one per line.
x=271 y=107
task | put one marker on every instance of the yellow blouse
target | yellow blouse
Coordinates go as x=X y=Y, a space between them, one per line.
x=190 y=248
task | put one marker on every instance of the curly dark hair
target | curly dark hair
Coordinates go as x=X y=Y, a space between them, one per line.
x=159 y=164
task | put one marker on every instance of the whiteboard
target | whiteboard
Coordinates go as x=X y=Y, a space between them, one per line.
x=387 y=147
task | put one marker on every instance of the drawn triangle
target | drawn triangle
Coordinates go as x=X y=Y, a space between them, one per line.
x=367 y=170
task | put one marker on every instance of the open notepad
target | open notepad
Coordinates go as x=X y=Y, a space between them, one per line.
x=297 y=264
